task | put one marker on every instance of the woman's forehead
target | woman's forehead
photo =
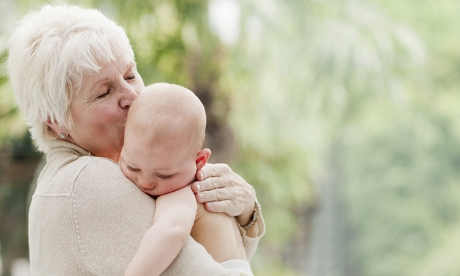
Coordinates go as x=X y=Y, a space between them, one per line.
x=118 y=66
x=108 y=71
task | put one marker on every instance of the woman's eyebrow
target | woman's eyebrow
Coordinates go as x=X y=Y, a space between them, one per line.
x=131 y=67
x=97 y=83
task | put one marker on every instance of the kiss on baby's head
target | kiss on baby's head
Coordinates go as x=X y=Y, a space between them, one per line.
x=168 y=113
x=164 y=136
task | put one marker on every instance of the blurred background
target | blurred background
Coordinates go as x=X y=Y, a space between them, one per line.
x=344 y=116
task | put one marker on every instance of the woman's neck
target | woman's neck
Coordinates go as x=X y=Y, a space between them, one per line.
x=113 y=156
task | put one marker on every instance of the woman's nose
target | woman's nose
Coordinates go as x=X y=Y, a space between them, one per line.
x=128 y=94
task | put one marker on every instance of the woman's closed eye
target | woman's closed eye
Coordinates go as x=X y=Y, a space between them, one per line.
x=104 y=94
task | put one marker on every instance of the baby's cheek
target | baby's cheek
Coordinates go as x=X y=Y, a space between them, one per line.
x=129 y=175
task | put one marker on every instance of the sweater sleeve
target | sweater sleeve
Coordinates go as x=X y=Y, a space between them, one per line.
x=110 y=217
x=251 y=243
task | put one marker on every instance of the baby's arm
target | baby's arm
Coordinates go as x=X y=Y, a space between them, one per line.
x=173 y=221
x=219 y=234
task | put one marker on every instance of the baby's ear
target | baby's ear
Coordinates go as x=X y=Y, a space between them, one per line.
x=202 y=158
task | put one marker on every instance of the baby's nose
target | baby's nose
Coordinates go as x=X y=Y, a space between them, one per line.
x=146 y=183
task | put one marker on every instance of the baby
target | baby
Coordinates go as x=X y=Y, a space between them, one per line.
x=162 y=153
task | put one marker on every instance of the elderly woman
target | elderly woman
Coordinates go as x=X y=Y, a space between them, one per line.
x=74 y=77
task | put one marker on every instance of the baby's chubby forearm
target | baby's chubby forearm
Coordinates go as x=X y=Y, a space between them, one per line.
x=174 y=217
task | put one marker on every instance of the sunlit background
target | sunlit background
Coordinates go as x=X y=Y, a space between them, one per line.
x=344 y=115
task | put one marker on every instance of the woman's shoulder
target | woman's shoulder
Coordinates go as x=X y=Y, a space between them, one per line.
x=111 y=216
x=99 y=164
x=104 y=175
x=101 y=186
x=69 y=172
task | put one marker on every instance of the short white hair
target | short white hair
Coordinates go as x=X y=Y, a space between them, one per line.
x=49 y=51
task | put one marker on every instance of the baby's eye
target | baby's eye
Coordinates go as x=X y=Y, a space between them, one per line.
x=132 y=169
x=165 y=176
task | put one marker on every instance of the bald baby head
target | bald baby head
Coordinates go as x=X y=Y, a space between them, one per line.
x=168 y=113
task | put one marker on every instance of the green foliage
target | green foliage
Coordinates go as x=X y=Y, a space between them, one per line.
x=11 y=123
x=363 y=90
x=443 y=258
x=402 y=186
x=399 y=161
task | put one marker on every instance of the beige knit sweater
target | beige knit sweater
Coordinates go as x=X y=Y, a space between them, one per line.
x=87 y=218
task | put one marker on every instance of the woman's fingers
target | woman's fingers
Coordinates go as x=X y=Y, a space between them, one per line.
x=214 y=195
x=222 y=190
x=217 y=206
x=232 y=200
x=204 y=179
x=213 y=170
x=219 y=200
x=212 y=183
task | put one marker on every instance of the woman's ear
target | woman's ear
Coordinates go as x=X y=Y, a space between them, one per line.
x=58 y=129
x=202 y=158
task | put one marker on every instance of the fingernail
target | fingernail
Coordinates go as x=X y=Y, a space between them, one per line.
x=200 y=195
x=201 y=175
x=209 y=205
x=198 y=187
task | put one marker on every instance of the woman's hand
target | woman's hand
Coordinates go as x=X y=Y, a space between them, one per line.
x=222 y=190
